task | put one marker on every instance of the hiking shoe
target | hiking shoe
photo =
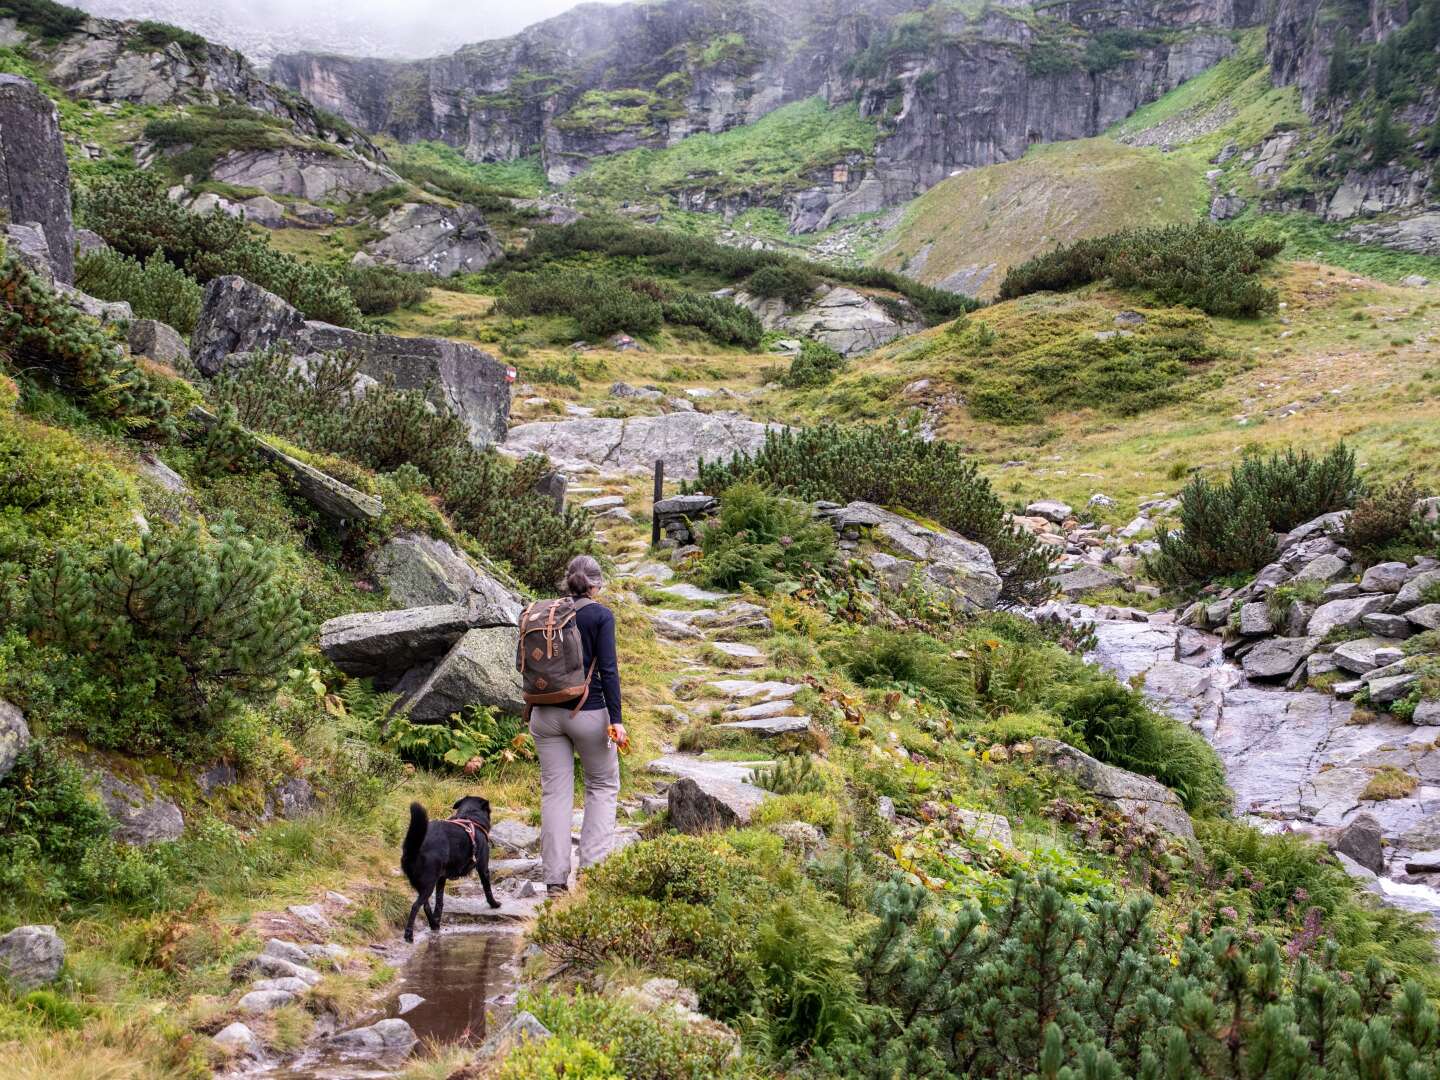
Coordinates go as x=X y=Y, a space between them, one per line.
x=556 y=890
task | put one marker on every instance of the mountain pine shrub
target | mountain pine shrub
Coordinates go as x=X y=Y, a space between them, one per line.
x=184 y=626
x=379 y=290
x=1043 y=986
x=678 y=254
x=48 y=339
x=136 y=218
x=600 y=305
x=1384 y=520
x=487 y=495
x=723 y=320
x=1229 y=526
x=154 y=289
x=1203 y=265
x=892 y=466
x=816 y=364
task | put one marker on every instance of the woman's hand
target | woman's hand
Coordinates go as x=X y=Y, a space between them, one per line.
x=618 y=735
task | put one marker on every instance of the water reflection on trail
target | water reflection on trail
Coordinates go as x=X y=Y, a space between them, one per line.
x=467 y=978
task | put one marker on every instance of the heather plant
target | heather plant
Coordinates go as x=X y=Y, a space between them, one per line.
x=133 y=214
x=1202 y=265
x=892 y=466
x=154 y=289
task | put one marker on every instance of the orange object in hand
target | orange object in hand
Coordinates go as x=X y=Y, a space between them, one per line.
x=622 y=745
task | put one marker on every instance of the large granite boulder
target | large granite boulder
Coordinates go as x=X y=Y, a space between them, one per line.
x=1134 y=795
x=1277 y=658
x=31 y=956
x=1363 y=840
x=159 y=341
x=390 y=643
x=680 y=439
x=438 y=240
x=142 y=816
x=847 y=320
x=468 y=381
x=478 y=670
x=314 y=175
x=423 y=571
x=14 y=737
x=938 y=559
x=385 y=1038
x=239 y=317
x=708 y=795
x=34 y=175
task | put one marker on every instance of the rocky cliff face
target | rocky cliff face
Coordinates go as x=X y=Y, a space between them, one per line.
x=110 y=60
x=947 y=90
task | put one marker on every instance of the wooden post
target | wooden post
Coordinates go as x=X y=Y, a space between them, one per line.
x=659 y=494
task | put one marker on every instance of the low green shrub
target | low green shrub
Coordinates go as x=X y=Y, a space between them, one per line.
x=1054 y=987
x=475 y=742
x=380 y=290
x=564 y=1057
x=791 y=282
x=487 y=495
x=55 y=845
x=762 y=540
x=453 y=185
x=599 y=305
x=1384 y=520
x=792 y=774
x=180 y=629
x=816 y=364
x=149 y=34
x=682 y=869
x=915 y=663
x=1203 y=265
x=46 y=19
x=640 y=1042
x=809 y=991
x=1230 y=527
x=192 y=142
x=133 y=214
x=154 y=289
x=673 y=253
x=892 y=466
x=1118 y=726
x=723 y=320
x=48 y=339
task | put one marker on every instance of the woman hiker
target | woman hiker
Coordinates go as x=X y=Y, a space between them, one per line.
x=560 y=733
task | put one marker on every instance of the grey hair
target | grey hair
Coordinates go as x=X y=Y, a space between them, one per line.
x=582 y=575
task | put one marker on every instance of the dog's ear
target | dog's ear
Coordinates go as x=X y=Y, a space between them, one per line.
x=485 y=804
x=459 y=801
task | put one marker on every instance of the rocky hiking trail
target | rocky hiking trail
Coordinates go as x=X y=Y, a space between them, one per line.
x=1296 y=759
x=460 y=985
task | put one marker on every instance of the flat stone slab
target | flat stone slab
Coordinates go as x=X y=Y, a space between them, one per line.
x=512 y=909
x=692 y=767
x=774 y=725
x=761 y=710
x=686 y=591
x=741 y=689
x=392 y=642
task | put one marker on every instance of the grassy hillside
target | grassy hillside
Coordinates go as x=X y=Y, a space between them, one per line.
x=765 y=158
x=969 y=229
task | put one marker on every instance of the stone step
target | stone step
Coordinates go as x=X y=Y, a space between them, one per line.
x=686 y=591
x=770 y=725
x=744 y=689
x=761 y=710
x=747 y=655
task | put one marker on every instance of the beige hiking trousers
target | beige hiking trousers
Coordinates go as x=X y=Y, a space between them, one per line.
x=558 y=738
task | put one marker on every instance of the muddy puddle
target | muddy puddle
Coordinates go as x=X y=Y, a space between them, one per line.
x=467 y=978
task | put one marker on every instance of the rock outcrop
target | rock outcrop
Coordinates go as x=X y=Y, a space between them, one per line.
x=30 y=957
x=239 y=318
x=962 y=93
x=1137 y=796
x=849 y=321
x=14 y=737
x=421 y=570
x=34 y=175
x=959 y=571
x=680 y=439
x=314 y=175
x=437 y=240
x=142 y=815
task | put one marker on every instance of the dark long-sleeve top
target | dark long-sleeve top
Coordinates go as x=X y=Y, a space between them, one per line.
x=597 y=637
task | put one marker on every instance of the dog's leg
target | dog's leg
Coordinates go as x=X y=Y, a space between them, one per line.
x=422 y=899
x=439 y=906
x=482 y=867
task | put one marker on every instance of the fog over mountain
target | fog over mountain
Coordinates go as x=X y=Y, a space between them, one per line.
x=391 y=28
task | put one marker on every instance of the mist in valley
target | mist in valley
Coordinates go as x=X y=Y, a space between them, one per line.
x=389 y=28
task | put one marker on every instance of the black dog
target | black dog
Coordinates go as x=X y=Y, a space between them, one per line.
x=435 y=851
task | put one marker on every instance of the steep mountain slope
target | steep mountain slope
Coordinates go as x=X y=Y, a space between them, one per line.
x=947 y=86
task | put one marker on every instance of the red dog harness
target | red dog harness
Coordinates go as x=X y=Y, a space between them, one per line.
x=470 y=828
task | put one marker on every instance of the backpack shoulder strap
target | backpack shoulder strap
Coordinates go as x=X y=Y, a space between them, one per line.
x=580 y=602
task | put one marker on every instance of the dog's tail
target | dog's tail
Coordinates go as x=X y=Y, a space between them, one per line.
x=414 y=837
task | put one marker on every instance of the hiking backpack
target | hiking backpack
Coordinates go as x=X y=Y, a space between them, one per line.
x=550 y=656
